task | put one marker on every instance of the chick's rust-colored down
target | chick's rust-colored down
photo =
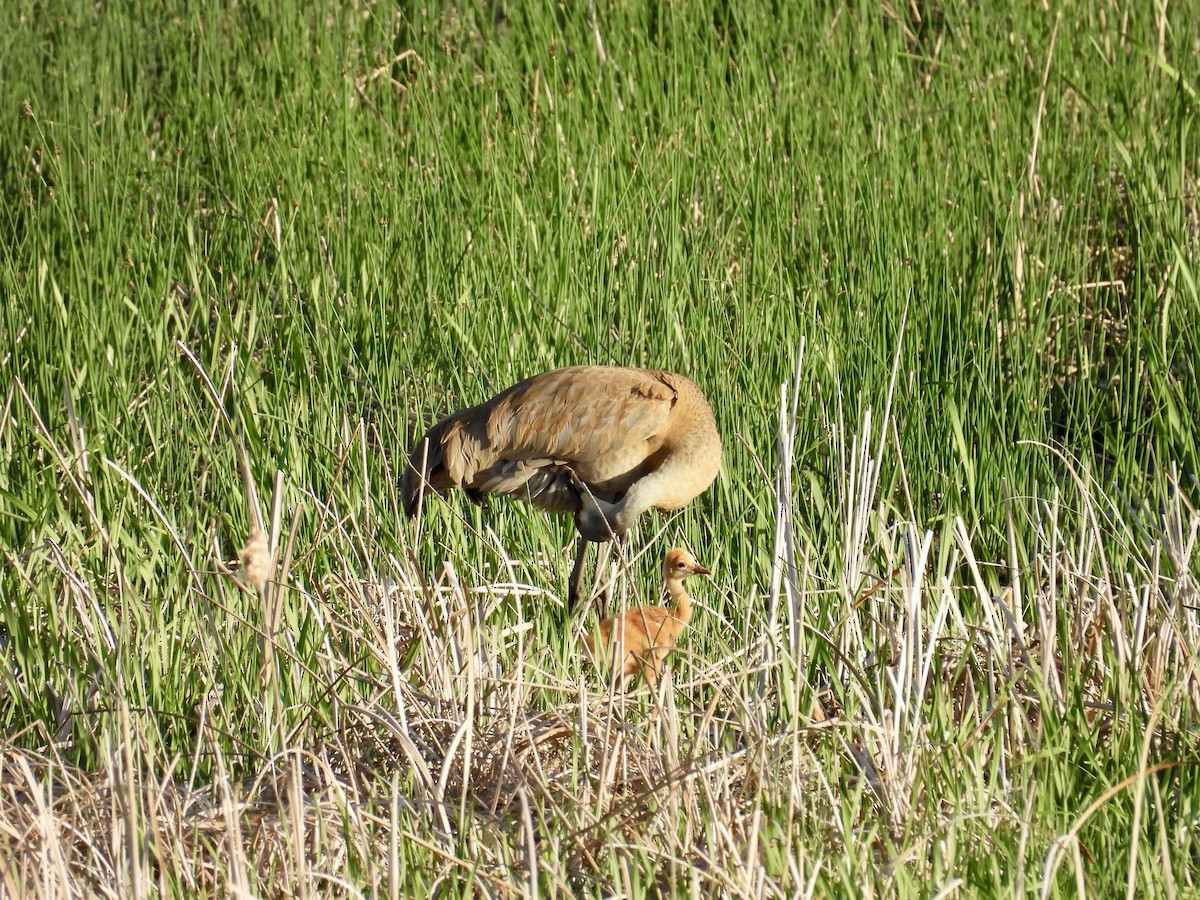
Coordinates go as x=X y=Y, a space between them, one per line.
x=604 y=443
x=640 y=640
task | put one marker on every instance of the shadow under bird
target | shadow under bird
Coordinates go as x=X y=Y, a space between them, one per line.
x=641 y=640
x=604 y=443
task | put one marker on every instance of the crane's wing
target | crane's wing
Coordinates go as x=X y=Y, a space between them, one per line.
x=579 y=414
x=545 y=483
x=597 y=423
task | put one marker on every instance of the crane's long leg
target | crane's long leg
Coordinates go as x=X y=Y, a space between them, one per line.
x=575 y=589
x=576 y=593
x=603 y=556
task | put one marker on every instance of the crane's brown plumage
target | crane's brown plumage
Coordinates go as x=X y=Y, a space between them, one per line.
x=604 y=443
x=640 y=640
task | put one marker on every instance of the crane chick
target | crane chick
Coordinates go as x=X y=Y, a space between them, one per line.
x=641 y=640
x=603 y=443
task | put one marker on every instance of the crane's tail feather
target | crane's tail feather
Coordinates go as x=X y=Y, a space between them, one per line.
x=426 y=468
x=415 y=480
x=448 y=456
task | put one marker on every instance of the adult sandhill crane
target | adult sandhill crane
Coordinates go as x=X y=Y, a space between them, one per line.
x=641 y=639
x=603 y=443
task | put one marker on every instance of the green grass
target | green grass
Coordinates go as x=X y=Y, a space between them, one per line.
x=284 y=237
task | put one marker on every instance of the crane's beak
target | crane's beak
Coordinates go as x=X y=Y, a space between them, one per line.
x=700 y=570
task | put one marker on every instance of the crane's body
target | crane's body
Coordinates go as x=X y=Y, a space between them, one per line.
x=640 y=640
x=604 y=443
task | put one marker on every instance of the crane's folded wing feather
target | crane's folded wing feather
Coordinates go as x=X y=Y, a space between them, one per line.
x=579 y=414
x=543 y=482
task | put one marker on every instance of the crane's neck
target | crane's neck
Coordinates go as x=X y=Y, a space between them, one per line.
x=669 y=487
x=681 y=603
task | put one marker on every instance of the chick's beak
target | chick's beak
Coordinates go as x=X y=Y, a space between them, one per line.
x=700 y=570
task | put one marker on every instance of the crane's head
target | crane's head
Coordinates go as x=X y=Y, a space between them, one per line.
x=602 y=518
x=593 y=522
x=678 y=564
x=597 y=519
